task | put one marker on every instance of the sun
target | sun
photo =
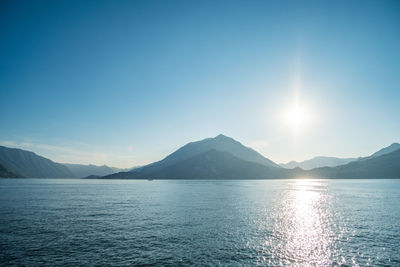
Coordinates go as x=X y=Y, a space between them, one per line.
x=296 y=116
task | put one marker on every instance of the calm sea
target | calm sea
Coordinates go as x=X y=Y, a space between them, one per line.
x=186 y=222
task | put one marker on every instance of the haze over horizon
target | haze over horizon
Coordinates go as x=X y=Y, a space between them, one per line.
x=127 y=84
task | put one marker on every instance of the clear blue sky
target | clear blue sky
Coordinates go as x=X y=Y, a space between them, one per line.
x=125 y=83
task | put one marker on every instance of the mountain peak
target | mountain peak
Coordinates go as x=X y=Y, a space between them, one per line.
x=223 y=139
x=221 y=136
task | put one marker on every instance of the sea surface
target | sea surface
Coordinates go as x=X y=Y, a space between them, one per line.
x=193 y=222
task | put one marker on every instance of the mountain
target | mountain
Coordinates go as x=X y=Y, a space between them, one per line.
x=317 y=162
x=382 y=166
x=212 y=164
x=393 y=147
x=219 y=143
x=115 y=169
x=30 y=165
x=81 y=171
x=220 y=157
x=5 y=173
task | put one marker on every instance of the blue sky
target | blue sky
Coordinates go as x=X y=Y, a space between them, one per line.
x=125 y=83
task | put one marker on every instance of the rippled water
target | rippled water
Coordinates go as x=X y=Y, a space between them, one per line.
x=268 y=222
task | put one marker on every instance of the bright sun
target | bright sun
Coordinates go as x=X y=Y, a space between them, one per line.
x=296 y=116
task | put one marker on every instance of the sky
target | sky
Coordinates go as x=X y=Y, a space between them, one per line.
x=125 y=83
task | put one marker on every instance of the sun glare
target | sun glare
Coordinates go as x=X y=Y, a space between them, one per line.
x=296 y=116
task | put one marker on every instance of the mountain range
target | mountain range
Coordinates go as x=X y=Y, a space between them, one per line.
x=377 y=166
x=317 y=162
x=220 y=157
x=28 y=164
x=81 y=171
x=16 y=162
x=224 y=158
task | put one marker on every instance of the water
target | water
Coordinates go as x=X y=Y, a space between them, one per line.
x=269 y=222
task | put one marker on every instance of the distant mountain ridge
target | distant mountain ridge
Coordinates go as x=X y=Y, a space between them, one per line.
x=317 y=162
x=16 y=163
x=81 y=171
x=385 y=165
x=30 y=165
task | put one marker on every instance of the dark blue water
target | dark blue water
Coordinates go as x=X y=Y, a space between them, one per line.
x=269 y=222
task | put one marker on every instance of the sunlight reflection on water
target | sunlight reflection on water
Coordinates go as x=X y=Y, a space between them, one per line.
x=305 y=226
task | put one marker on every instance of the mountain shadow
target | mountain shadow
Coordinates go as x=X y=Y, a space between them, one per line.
x=5 y=173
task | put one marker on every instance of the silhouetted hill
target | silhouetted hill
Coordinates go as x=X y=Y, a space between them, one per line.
x=317 y=162
x=212 y=164
x=30 y=165
x=82 y=171
x=384 y=166
x=219 y=143
x=5 y=173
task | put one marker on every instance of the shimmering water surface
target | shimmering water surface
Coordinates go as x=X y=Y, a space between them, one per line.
x=268 y=222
